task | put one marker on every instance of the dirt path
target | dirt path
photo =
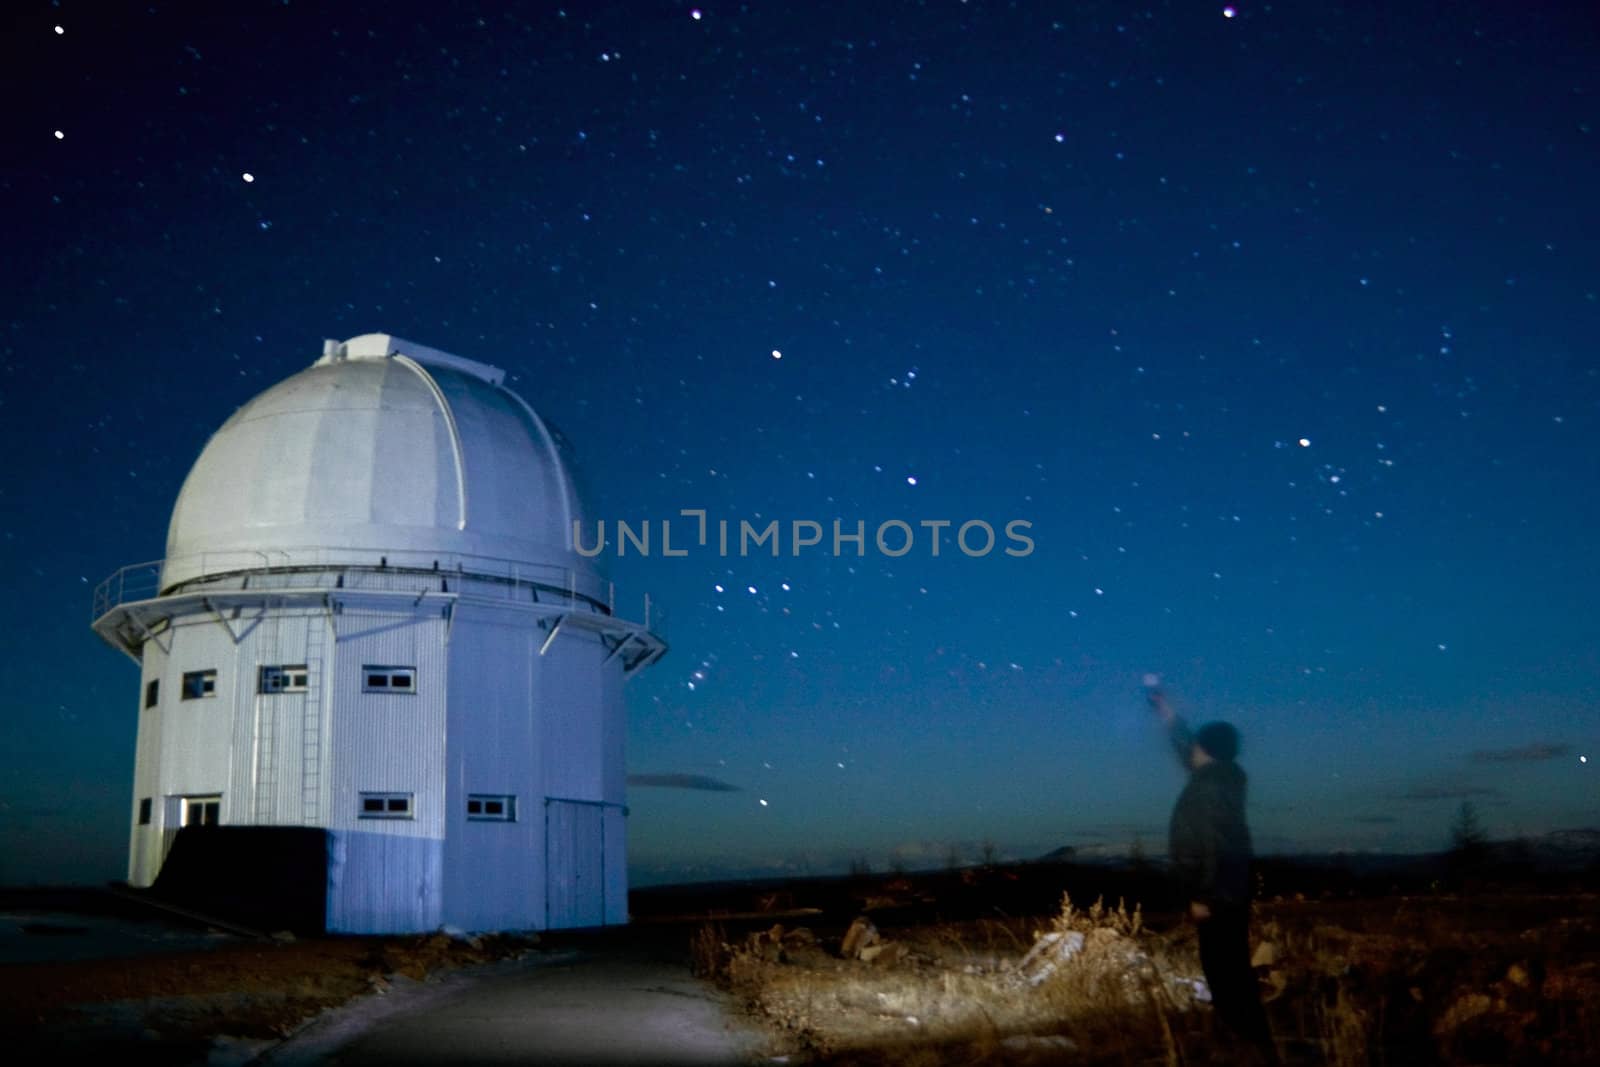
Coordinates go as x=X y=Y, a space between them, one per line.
x=606 y=1005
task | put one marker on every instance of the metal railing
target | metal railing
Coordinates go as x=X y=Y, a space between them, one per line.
x=136 y=581
x=316 y=567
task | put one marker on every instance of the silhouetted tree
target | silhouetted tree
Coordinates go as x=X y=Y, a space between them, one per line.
x=1466 y=832
x=1469 y=843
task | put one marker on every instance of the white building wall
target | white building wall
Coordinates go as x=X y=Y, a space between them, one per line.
x=386 y=875
x=494 y=870
x=489 y=715
x=580 y=710
x=268 y=725
x=197 y=735
x=569 y=710
x=145 y=852
x=614 y=783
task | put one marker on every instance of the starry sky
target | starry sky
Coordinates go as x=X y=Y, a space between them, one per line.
x=1276 y=323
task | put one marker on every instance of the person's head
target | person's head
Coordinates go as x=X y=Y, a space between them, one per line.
x=1217 y=741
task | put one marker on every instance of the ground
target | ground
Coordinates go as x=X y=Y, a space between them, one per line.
x=977 y=965
x=241 y=994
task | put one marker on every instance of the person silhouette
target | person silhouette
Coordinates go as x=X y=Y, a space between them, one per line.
x=1209 y=850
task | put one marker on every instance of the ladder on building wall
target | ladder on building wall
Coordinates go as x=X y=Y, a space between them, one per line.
x=266 y=776
x=311 y=727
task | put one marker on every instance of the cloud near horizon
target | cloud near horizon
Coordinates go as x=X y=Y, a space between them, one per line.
x=1447 y=792
x=701 y=782
x=1534 y=753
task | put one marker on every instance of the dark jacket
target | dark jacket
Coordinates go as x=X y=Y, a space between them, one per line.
x=1209 y=842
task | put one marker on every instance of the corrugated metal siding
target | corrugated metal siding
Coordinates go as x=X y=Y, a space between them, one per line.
x=613 y=731
x=197 y=735
x=144 y=849
x=387 y=742
x=384 y=883
x=568 y=707
x=494 y=871
x=316 y=732
x=579 y=705
x=614 y=865
x=489 y=715
x=275 y=719
x=614 y=779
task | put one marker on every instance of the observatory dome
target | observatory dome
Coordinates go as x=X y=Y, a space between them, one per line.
x=383 y=450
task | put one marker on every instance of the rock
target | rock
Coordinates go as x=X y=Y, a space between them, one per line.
x=1517 y=975
x=884 y=953
x=862 y=934
x=1265 y=955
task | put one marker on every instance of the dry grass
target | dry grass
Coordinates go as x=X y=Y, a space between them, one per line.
x=1390 y=983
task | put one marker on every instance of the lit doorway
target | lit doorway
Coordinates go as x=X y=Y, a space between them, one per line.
x=202 y=811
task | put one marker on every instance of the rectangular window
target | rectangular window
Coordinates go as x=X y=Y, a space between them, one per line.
x=491 y=807
x=291 y=678
x=388 y=679
x=202 y=811
x=144 y=812
x=385 y=805
x=199 y=684
x=152 y=692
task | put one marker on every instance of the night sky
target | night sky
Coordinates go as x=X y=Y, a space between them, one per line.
x=1278 y=325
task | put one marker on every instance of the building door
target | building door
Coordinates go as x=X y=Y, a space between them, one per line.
x=574 y=863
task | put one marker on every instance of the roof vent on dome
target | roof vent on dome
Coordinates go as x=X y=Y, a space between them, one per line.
x=383 y=346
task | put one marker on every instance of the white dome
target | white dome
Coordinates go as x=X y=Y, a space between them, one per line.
x=382 y=450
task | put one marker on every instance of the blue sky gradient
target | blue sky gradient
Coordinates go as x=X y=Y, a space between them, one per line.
x=1278 y=328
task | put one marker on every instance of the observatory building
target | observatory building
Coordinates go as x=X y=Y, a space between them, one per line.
x=375 y=677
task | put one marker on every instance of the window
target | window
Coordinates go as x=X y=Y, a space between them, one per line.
x=491 y=807
x=202 y=811
x=152 y=692
x=386 y=805
x=144 y=812
x=198 y=684
x=287 y=679
x=388 y=679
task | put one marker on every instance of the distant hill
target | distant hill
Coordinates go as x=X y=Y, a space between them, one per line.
x=1559 y=850
x=1556 y=851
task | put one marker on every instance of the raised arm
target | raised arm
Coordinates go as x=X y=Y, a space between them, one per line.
x=1178 y=732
